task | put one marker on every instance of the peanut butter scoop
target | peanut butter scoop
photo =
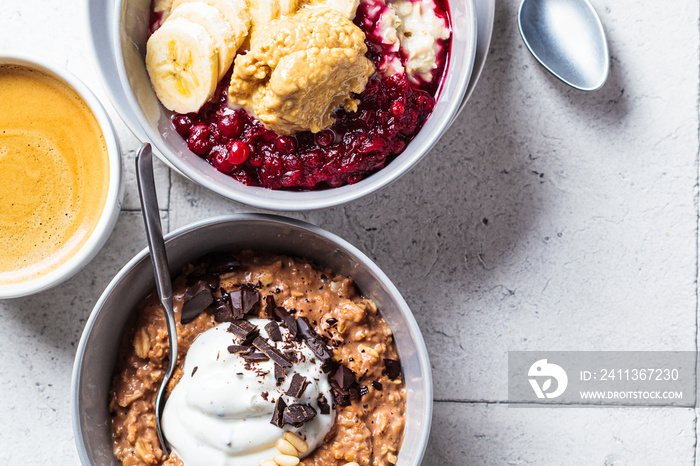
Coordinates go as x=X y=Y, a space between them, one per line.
x=299 y=69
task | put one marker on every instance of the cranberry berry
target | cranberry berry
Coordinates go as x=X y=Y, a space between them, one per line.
x=325 y=138
x=227 y=158
x=238 y=152
x=199 y=141
x=285 y=144
x=230 y=125
x=183 y=124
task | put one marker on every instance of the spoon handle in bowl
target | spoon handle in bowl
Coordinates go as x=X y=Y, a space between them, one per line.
x=159 y=258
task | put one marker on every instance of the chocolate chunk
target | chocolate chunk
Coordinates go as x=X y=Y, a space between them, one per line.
x=298 y=414
x=238 y=349
x=250 y=298
x=273 y=331
x=363 y=390
x=197 y=298
x=377 y=385
x=323 y=405
x=210 y=279
x=288 y=320
x=344 y=385
x=220 y=263
x=297 y=386
x=255 y=357
x=194 y=371
x=196 y=289
x=312 y=340
x=222 y=310
x=344 y=377
x=332 y=321
x=278 y=414
x=270 y=307
x=392 y=368
x=236 y=305
x=244 y=330
x=329 y=365
x=274 y=354
x=291 y=356
x=279 y=374
x=341 y=399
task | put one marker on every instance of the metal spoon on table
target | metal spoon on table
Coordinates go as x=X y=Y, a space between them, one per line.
x=567 y=38
x=159 y=259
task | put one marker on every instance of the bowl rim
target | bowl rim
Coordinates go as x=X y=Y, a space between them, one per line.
x=418 y=340
x=115 y=190
x=283 y=200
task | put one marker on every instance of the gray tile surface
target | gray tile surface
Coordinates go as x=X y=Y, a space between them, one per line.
x=38 y=340
x=467 y=433
x=546 y=218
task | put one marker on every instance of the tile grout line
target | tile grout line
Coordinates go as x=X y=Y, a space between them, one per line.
x=524 y=404
x=139 y=210
x=697 y=250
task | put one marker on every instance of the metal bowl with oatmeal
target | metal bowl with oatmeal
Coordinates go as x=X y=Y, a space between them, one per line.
x=334 y=392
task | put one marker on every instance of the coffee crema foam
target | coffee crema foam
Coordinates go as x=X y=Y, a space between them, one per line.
x=54 y=173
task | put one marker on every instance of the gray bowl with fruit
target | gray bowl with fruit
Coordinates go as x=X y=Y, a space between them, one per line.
x=294 y=105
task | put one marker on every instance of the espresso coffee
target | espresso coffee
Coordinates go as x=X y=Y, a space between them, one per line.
x=54 y=173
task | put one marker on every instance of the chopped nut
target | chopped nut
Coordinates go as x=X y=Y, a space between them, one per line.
x=127 y=398
x=368 y=350
x=286 y=448
x=145 y=451
x=342 y=327
x=286 y=460
x=266 y=279
x=298 y=442
x=142 y=343
x=131 y=433
x=392 y=458
x=297 y=294
x=382 y=421
x=371 y=305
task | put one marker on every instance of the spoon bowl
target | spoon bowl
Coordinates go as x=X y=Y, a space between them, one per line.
x=567 y=38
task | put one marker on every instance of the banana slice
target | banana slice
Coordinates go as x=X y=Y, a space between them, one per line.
x=347 y=7
x=287 y=7
x=218 y=28
x=183 y=64
x=262 y=12
x=233 y=11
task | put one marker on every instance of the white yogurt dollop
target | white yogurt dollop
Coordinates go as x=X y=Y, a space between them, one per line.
x=217 y=415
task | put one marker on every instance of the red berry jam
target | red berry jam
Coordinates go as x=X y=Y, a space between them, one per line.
x=391 y=112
